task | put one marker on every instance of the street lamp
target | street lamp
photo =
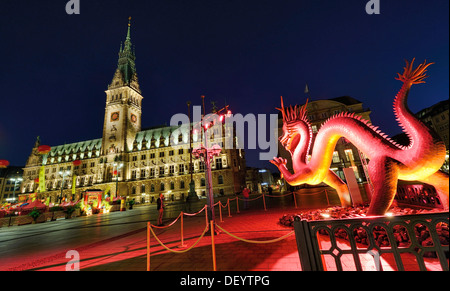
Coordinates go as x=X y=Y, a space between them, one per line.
x=15 y=180
x=116 y=172
x=206 y=154
x=63 y=174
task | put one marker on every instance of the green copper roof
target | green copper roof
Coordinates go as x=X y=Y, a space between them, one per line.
x=75 y=148
x=126 y=64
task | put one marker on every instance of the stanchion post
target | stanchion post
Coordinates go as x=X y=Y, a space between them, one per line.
x=182 y=231
x=148 y=246
x=213 y=246
x=295 y=200
x=220 y=211
x=229 y=212
x=206 y=215
x=237 y=204
x=264 y=200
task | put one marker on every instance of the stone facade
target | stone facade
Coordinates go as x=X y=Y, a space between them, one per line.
x=128 y=161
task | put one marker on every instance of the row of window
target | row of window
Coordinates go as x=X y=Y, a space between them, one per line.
x=53 y=170
x=153 y=155
x=182 y=185
x=171 y=169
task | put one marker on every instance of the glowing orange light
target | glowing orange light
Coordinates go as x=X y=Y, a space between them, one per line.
x=4 y=164
x=44 y=149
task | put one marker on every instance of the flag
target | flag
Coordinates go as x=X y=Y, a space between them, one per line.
x=74 y=180
x=42 y=179
x=306 y=89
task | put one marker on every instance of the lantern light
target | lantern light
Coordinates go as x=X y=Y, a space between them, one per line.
x=44 y=149
x=4 y=164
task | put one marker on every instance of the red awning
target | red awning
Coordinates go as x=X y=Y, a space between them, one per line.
x=36 y=203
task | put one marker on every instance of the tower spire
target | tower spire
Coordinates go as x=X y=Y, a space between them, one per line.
x=128 y=39
x=126 y=68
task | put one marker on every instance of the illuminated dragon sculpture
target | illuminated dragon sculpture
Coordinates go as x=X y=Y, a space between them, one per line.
x=389 y=161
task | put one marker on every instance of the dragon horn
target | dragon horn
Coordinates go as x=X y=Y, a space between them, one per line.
x=282 y=109
x=303 y=109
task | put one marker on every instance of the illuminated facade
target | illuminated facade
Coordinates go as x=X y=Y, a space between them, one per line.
x=10 y=180
x=127 y=160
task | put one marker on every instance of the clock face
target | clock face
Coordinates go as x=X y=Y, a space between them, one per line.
x=114 y=116
x=133 y=118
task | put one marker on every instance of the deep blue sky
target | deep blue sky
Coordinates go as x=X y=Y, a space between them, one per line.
x=56 y=67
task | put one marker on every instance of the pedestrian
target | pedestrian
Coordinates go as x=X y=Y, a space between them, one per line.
x=160 y=207
x=246 y=193
x=188 y=203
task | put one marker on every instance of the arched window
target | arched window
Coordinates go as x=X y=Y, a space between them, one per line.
x=152 y=188
x=161 y=187
x=203 y=182
x=220 y=179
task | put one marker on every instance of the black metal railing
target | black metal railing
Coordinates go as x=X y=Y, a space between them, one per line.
x=410 y=242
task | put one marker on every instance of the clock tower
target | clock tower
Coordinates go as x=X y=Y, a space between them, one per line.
x=123 y=104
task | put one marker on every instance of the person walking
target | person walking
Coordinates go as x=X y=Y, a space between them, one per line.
x=160 y=208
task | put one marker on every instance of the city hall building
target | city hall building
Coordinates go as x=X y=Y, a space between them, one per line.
x=127 y=160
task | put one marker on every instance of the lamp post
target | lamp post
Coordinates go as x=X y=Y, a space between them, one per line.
x=191 y=193
x=63 y=174
x=206 y=154
x=116 y=172
x=15 y=180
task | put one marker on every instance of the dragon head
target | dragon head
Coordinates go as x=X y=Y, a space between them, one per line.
x=295 y=125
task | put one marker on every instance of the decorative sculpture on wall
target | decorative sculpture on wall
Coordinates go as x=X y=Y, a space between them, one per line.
x=389 y=161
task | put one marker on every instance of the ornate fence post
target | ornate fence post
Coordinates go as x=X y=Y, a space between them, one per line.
x=305 y=247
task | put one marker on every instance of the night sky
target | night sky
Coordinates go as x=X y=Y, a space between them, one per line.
x=56 y=67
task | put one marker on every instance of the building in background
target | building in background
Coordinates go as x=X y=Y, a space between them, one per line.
x=127 y=160
x=258 y=180
x=437 y=118
x=10 y=181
